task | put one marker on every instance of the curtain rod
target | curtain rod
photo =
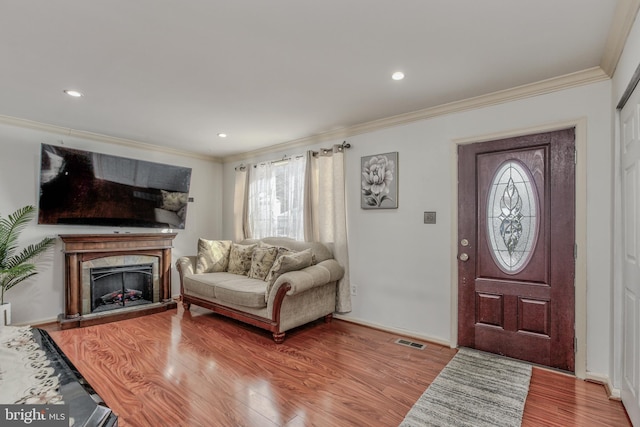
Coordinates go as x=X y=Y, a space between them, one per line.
x=284 y=159
x=243 y=167
x=341 y=147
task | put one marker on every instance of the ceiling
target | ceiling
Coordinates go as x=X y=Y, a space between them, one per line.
x=178 y=73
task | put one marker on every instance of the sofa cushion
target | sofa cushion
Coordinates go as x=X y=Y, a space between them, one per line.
x=199 y=285
x=213 y=255
x=290 y=262
x=261 y=261
x=240 y=258
x=242 y=291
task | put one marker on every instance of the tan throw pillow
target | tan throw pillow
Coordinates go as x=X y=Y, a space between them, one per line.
x=261 y=262
x=240 y=258
x=213 y=255
x=281 y=251
x=290 y=262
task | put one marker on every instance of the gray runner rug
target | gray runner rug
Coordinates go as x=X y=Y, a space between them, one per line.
x=475 y=389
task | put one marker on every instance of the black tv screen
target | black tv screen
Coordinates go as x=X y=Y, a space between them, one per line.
x=85 y=188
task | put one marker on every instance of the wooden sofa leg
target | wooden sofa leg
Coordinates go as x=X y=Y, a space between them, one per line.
x=186 y=305
x=278 y=337
x=328 y=318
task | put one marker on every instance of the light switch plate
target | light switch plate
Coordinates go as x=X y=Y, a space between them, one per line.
x=429 y=217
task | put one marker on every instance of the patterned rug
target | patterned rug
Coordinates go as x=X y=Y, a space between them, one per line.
x=475 y=389
x=25 y=372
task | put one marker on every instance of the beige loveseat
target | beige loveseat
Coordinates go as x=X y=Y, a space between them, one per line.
x=299 y=287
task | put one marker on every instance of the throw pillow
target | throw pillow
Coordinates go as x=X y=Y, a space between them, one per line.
x=213 y=255
x=240 y=258
x=290 y=262
x=281 y=251
x=173 y=201
x=261 y=262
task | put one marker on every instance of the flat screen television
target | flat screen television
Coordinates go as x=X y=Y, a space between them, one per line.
x=85 y=188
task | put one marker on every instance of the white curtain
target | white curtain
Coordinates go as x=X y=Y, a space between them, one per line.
x=325 y=213
x=276 y=199
x=317 y=186
x=240 y=226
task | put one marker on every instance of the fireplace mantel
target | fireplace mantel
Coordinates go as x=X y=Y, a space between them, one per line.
x=79 y=248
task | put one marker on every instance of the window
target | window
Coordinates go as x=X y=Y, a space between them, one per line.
x=512 y=217
x=276 y=199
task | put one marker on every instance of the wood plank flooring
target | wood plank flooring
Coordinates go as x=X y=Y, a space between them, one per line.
x=198 y=369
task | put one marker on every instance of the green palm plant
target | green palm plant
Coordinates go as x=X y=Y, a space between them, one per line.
x=16 y=267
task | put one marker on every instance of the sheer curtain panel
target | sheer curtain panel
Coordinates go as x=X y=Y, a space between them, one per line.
x=276 y=197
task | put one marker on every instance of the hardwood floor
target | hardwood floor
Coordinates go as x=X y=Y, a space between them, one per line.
x=199 y=369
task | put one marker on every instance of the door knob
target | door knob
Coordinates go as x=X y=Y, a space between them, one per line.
x=463 y=257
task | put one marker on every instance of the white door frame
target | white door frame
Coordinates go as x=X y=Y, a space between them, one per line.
x=580 y=125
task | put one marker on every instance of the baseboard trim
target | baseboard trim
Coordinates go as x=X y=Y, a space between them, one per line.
x=604 y=380
x=38 y=323
x=402 y=332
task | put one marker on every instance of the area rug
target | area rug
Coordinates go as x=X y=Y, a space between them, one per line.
x=26 y=375
x=475 y=389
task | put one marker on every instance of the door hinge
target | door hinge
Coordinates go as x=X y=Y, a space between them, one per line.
x=575 y=251
x=575 y=344
x=575 y=157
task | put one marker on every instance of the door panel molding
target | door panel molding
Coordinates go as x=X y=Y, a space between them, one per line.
x=580 y=125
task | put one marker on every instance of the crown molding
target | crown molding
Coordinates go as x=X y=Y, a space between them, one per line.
x=44 y=127
x=567 y=81
x=623 y=19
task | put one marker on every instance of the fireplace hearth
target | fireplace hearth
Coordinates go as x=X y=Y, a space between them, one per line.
x=112 y=277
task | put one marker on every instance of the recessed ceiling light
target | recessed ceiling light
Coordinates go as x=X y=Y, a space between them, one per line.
x=398 y=75
x=222 y=135
x=73 y=93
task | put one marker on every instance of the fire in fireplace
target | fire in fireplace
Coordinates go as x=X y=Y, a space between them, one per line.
x=116 y=287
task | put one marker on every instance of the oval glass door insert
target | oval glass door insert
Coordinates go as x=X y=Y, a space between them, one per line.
x=512 y=217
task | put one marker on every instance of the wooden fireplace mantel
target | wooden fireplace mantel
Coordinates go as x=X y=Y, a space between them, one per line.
x=79 y=248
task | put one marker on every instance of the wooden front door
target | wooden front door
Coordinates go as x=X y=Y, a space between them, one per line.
x=516 y=246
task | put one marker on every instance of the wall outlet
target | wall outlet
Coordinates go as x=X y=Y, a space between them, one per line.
x=354 y=289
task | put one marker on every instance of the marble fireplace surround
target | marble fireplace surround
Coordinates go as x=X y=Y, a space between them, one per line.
x=83 y=251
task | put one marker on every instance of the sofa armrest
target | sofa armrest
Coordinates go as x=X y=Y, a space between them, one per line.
x=186 y=265
x=316 y=275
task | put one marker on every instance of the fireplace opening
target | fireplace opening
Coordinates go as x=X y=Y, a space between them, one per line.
x=117 y=287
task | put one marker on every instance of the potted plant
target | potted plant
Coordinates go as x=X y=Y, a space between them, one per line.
x=16 y=267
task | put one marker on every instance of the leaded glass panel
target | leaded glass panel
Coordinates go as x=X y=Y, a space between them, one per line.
x=512 y=217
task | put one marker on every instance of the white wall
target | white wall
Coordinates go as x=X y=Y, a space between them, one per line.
x=403 y=268
x=41 y=298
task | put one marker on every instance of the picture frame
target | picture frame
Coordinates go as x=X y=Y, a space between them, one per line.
x=379 y=183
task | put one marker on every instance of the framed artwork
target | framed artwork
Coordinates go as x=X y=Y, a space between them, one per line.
x=379 y=187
